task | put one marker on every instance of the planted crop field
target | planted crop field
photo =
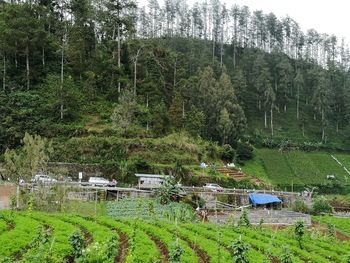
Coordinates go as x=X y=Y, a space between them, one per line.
x=341 y=224
x=297 y=167
x=42 y=237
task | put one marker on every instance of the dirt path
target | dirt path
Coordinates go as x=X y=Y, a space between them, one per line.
x=161 y=248
x=202 y=255
x=87 y=236
x=123 y=247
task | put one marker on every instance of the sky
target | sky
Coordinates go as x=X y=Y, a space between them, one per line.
x=325 y=16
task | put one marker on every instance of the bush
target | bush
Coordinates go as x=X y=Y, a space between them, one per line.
x=244 y=151
x=228 y=153
x=321 y=205
x=300 y=206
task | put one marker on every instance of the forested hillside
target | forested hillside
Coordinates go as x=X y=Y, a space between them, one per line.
x=72 y=68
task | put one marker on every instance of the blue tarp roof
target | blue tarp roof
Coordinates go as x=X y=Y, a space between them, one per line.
x=262 y=199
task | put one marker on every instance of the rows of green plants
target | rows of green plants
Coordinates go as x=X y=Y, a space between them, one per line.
x=168 y=239
x=340 y=223
x=299 y=167
x=41 y=237
x=299 y=255
x=218 y=234
x=104 y=243
x=53 y=244
x=140 y=247
x=14 y=242
x=215 y=251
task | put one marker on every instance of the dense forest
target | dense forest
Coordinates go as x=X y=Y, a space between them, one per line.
x=220 y=72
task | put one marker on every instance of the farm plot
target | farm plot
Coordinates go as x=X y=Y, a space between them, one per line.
x=301 y=168
x=341 y=224
x=42 y=237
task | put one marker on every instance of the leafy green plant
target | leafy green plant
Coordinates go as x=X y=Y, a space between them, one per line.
x=300 y=206
x=286 y=257
x=330 y=229
x=347 y=260
x=176 y=252
x=239 y=251
x=77 y=242
x=321 y=205
x=244 y=220
x=299 y=231
x=169 y=191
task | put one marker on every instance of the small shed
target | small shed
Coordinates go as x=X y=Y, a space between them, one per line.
x=263 y=199
x=150 y=181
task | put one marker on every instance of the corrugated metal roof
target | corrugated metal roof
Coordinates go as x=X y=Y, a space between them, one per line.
x=152 y=175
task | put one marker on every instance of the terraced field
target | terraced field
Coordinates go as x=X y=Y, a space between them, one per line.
x=40 y=237
x=297 y=167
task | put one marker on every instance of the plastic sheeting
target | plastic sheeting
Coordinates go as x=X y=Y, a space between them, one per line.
x=263 y=199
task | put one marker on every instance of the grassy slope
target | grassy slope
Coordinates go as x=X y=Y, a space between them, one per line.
x=296 y=167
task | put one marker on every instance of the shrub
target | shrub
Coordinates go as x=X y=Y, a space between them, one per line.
x=244 y=151
x=175 y=252
x=321 y=205
x=300 y=206
x=243 y=220
x=239 y=251
x=286 y=256
x=77 y=242
x=270 y=143
x=299 y=231
x=228 y=153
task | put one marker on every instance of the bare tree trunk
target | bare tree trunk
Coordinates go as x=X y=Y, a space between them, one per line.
x=16 y=62
x=62 y=76
x=135 y=69
x=298 y=98
x=147 y=125
x=234 y=54
x=271 y=120
x=27 y=66
x=303 y=128
x=4 y=74
x=43 y=57
x=322 y=120
x=213 y=51
x=118 y=33
x=175 y=72
x=265 y=119
x=183 y=109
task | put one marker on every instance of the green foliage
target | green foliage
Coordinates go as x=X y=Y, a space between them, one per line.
x=321 y=205
x=300 y=206
x=244 y=151
x=239 y=251
x=228 y=153
x=243 y=219
x=176 y=252
x=151 y=210
x=124 y=114
x=347 y=260
x=169 y=191
x=299 y=231
x=76 y=240
x=331 y=229
x=31 y=159
x=286 y=256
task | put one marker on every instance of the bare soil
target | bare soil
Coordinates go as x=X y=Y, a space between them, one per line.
x=161 y=248
x=123 y=247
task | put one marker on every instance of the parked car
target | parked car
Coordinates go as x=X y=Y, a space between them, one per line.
x=42 y=178
x=100 y=181
x=213 y=187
